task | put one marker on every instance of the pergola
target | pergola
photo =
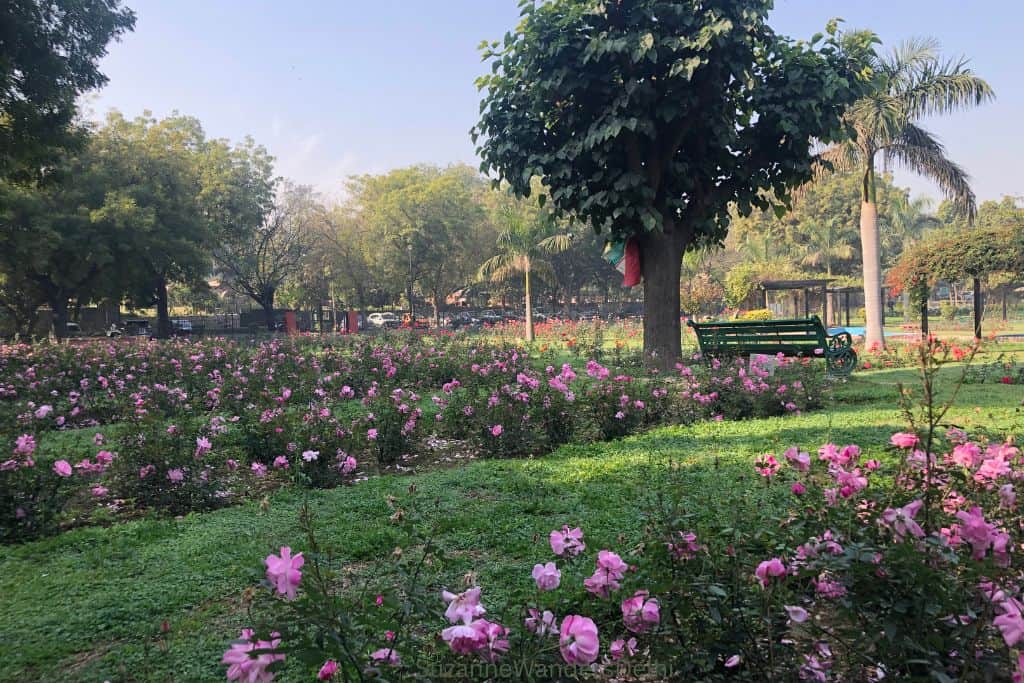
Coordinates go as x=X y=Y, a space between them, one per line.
x=805 y=286
x=845 y=292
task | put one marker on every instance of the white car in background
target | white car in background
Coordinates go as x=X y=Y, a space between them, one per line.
x=383 y=320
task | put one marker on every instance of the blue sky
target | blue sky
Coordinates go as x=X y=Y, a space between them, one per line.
x=338 y=87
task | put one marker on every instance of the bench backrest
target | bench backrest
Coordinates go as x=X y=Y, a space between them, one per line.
x=791 y=337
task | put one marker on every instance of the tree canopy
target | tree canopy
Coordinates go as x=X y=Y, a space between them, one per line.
x=49 y=54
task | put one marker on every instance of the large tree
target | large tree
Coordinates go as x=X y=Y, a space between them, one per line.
x=425 y=220
x=49 y=54
x=650 y=118
x=153 y=186
x=56 y=247
x=910 y=83
x=257 y=260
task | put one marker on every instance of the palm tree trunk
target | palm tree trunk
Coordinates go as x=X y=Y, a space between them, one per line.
x=874 y=335
x=529 y=304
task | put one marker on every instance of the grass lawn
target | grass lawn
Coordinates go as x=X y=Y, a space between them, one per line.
x=88 y=605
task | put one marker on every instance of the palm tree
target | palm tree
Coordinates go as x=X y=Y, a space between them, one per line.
x=524 y=242
x=910 y=83
x=825 y=243
x=906 y=221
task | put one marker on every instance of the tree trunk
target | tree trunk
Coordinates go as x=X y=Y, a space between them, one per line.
x=1005 y=288
x=977 y=308
x=924 y=318
x=529 y=303
x=436 y=303
x=163 y=316
x=906 y=305
x=661 y=256
x=59 y=321
x=874 y=334
x=267 y=303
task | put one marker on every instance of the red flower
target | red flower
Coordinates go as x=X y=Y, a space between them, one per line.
x=1006 y=379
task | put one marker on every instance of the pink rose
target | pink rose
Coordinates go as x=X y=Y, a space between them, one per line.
x=547 y=576
x=567 y=541
x=62 y=468
x=283 y=571
x=768 y=569
x=578 y=640
x=903 y=440
x=463 y=607
x=326 y=672
x=640 y=613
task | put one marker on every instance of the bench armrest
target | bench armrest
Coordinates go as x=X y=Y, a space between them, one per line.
x=840 y=340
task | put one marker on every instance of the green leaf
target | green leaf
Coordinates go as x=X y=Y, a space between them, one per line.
x=687 y=67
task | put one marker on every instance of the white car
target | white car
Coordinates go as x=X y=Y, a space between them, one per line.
x=383 y=320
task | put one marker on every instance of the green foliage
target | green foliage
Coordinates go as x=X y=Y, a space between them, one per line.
x=428 y=225
x=49 y=55
x=652 y=118
x=959 y=255
x=948 y=311
x=757 y=314
x=152 y=455
x=32 y=499
x=649 y=109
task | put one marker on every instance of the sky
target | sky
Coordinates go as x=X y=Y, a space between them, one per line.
x=340 y=87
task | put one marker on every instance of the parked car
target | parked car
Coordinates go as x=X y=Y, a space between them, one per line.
x=73 y=329
x=491 y=317
x=383 y=320
x=463 y=319
x=182 y=327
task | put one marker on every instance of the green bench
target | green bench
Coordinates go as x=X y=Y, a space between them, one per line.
x=795 y=337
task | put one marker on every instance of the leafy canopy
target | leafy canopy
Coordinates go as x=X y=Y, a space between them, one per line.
x=634 y=112
x=49 y=50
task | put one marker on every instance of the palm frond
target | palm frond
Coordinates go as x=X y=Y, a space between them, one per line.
x=843 y=157
x=877 y=119
x=908 y=58
x=555 y=244
x=921 y=152
x=941 y=88
x=495 y=264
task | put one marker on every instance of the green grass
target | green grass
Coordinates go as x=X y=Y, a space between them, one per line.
x=87 y=605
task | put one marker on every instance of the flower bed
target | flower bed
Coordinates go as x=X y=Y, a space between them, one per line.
x=867 y=571
x=182 y=426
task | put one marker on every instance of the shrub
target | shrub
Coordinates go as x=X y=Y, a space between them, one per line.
x=175 y=468
x=757 y=314
x=32 y=494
